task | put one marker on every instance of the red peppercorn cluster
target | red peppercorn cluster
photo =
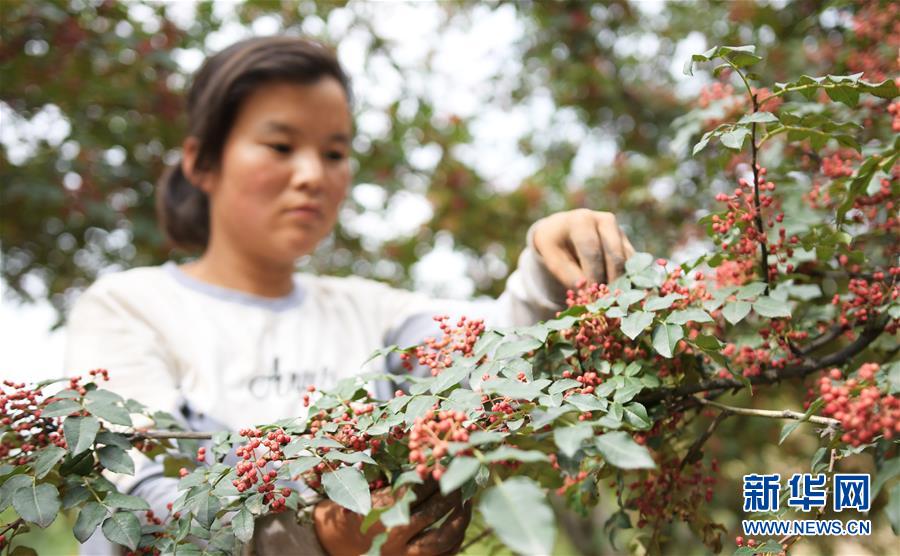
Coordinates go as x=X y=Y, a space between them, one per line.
x=252 y=469
x=875 y=25
x=438 y=354
x=429 y=438
x=864 y=296
x=672 y=491
x=864 y=411
x=25 y=430
x=894 y=110
x=741 y=215
x=596 y=332
x=840 y=164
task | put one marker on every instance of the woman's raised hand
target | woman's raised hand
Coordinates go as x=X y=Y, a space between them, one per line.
x=581 y=245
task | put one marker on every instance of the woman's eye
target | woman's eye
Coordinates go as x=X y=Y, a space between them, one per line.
x=282 y=148
x=335 y=155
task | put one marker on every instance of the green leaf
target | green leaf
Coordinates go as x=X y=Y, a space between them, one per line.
x=517 y=511
x=633 y=324
x=792 y=426
x=10 y=487
x=888 y=471
x=125 y=502
x=541 y=418
x=116 y=459
x=398 y=514
x=517 y=348
x=636 y=416
x=740 y=56
x=735 y=311
x=621 y=451
x=562 y=385
x=47 y=458
x=628 y=298
x=631 y=389
x=351 y=457
x=688 y=315
x=113 y=413
x=570 y=439
x=771 y=308
x=734 y=139
x=349 y=488
x=418 y=406
x=702 y=143
x=759 y=118
x=205 y=509
x=586 y=402
x=80 y=433
x=893 y=508
x=638 y=262
x=847 y=95
x=504 y=453
x=74 y=496
x=460 y=470
x=113 y=439
x=37 y=504
x=665 y=338
x=89 y=518
x=61 y=408
x=449 y=377
x=515 y=389
x=750 y=291
x=122 y=528
x=659 y=303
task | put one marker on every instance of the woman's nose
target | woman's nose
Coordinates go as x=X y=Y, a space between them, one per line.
x=308 y=170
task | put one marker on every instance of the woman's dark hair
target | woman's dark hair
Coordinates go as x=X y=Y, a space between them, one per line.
x=217 y=91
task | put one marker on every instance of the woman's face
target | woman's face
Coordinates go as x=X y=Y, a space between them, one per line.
x=284 y=172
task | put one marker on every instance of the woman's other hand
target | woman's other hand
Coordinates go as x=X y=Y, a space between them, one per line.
x=339 y=533
x=582 y=244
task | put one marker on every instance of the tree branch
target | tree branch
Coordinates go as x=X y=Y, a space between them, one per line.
x=771 y=376
x=768 y=413
x=170 y=435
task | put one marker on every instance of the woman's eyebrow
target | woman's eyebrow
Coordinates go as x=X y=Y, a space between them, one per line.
x=281 y=127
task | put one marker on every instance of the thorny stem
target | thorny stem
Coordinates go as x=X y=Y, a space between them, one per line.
x=14 y=525
x=757 y=217
x=694 y=450
x=754 y=149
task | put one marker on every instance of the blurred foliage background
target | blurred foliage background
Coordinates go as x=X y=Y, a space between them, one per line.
x=571 y=107
x=558 y=105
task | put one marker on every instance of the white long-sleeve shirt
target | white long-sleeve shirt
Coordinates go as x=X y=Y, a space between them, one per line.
x=234 y=359
x=242 y=359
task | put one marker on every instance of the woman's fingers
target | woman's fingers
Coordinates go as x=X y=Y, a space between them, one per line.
x=588 y=246
x=629 y=249
x=563 y=266
x=613 y=248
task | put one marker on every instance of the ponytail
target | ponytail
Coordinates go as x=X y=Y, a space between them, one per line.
x=182 y=210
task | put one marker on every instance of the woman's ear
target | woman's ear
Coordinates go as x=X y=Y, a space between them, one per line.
x=189 y=150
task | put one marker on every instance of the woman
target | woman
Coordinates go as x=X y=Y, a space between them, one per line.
x=231 y=338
